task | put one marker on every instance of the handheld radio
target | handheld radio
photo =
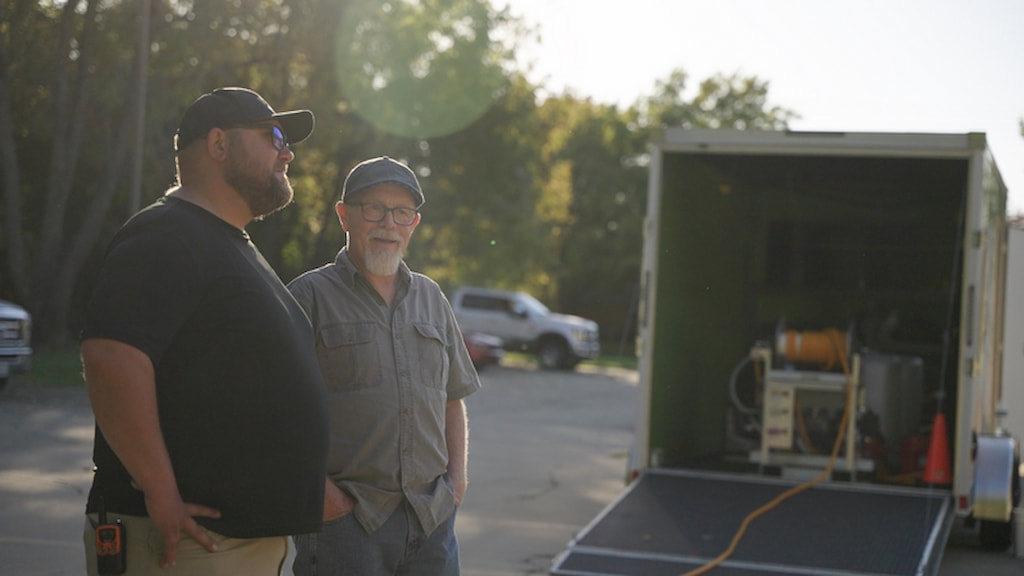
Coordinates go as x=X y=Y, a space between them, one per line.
x=110 y=544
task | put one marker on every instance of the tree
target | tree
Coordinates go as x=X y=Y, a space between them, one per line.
x=721 y=102
x=598 y=156
x=65 y=77
x=548 y=195
x=605 y=152
x=416 y=81
x=490 y=214
x=66 y=69
x=76 y=100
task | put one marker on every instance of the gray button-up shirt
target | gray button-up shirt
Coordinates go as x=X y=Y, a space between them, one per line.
x=390 y=373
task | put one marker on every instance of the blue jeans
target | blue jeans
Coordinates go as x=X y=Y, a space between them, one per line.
x=399 y=547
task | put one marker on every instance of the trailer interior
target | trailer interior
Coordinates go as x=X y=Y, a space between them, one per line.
x=868 y=246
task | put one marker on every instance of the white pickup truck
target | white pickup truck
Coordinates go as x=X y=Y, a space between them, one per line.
x=525 y=324
x=15 y=349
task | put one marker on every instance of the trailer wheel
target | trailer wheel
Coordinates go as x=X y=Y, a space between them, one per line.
x=993 y=534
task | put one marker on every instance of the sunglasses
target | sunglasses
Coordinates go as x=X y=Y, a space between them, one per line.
x=277 y=137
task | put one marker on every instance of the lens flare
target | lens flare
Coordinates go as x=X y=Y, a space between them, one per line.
x=418 y=69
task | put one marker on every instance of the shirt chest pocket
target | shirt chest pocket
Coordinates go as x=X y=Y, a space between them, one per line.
x=348 y=356
x=432 y=350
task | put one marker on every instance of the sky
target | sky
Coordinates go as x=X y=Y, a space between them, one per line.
x=947 y=66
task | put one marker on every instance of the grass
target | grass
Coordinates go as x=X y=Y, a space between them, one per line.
x=603 y=361
x=609 y=361
x=63 y=368
x=55 y=368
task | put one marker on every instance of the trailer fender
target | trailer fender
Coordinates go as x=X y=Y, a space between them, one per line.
x=994 y=477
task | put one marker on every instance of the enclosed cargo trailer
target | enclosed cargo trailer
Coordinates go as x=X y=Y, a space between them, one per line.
x=824 y=307
x=1013 y=339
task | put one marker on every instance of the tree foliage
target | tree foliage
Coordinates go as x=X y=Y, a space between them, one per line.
x=74 y=143
x=546 y=195
x=606 y=153
x=721 y=102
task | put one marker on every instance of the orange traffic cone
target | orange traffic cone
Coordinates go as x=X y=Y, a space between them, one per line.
x=936 y=470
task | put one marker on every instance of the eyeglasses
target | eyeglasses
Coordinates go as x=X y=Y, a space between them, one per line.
x=277 y=137
x=374 y=212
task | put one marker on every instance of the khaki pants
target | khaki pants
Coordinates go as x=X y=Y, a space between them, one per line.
x=234 y=556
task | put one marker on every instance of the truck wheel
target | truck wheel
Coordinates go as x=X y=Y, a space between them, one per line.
x=553 y=354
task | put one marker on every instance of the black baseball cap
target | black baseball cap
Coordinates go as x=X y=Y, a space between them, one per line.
x=231 y=107
x=369 y=173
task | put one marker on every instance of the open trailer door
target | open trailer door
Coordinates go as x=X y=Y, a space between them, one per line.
x=670 y=522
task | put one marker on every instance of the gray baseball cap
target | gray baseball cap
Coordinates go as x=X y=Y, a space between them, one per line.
x=369 y=173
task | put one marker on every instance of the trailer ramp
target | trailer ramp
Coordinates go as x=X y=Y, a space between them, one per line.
x=669 y=522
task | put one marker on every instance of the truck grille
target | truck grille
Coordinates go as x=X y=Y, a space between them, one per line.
x=12 y=333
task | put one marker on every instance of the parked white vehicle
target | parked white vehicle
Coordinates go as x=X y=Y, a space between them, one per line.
x=15 y=340
x=525 y=324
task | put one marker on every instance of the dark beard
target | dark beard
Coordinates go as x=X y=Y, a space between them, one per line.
x=264 y=193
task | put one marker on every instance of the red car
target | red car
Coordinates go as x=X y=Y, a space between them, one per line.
x=484 y=349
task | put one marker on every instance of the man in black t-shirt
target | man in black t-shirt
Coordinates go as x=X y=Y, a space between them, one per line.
x=211 y=434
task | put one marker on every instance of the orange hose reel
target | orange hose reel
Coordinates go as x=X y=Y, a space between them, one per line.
x=827 y=348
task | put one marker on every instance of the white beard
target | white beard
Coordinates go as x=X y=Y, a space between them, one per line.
x=382 y=262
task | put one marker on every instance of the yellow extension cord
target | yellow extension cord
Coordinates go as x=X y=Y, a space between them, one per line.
x=833 y=337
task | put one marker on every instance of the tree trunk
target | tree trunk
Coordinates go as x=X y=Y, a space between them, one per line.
x=50 y=289
x=11 y=184
x=82 y=245
x=58 y=262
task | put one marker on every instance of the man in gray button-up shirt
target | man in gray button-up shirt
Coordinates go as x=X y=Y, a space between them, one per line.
x=396 y=370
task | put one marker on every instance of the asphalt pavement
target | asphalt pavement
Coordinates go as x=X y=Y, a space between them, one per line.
x=547 y=454
x=45 y=470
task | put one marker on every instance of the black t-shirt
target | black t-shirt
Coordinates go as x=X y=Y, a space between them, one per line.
x=242 y=404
